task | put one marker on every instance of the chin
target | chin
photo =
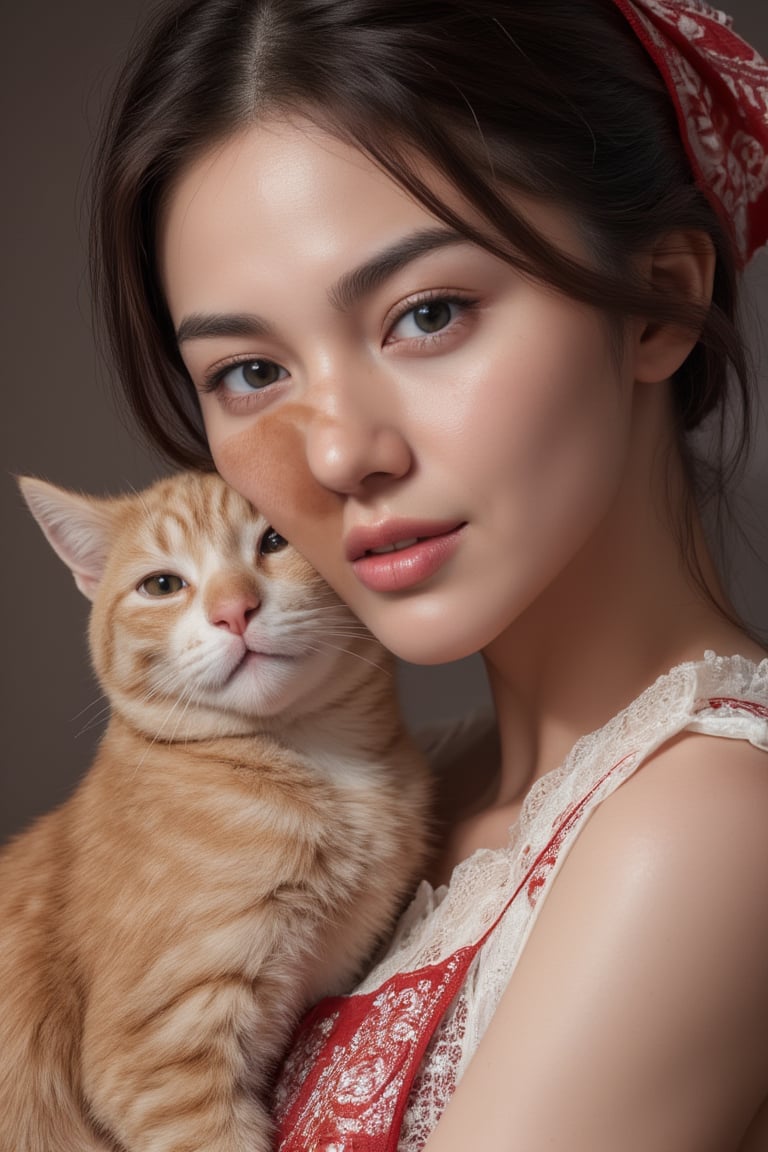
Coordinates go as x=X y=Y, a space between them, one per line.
x=429 y=657
x=430 y=642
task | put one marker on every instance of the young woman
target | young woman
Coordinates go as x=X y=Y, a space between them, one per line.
x=444 y=288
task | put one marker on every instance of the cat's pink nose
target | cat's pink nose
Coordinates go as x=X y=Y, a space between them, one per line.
x=234 y=614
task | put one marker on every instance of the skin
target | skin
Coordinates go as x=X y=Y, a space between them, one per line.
x=516 y=422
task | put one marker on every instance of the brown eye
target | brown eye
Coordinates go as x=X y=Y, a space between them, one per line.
x=259 y=373
x=164 y=584
x=433 y=315
x=272 y=541
x=249 y=376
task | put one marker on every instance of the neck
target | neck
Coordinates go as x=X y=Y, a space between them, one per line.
x=625 y=611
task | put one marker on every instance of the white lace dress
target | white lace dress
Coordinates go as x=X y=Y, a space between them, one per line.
x=382 y=1081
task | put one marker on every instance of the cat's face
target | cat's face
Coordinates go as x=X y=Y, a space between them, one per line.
x=203 y=617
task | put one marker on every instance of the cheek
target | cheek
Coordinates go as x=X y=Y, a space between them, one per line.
x=266 y=462
x=553 y=442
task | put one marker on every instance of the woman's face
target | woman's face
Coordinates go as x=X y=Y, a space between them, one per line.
x=438 y=435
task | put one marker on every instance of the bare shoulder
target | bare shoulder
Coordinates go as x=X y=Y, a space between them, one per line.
x=686 y=840
x=670 y=874
x=699 y=800
x=640 y=1002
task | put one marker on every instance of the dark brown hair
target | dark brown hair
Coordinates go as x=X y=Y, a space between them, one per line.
x=552 y=98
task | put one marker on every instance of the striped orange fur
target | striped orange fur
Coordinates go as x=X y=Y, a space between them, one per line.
x=253 y=820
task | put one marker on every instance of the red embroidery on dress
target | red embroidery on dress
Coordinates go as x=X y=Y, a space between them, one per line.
x=760 y=710
x=346 y=1082
x=548 y=858
x=362 y=1053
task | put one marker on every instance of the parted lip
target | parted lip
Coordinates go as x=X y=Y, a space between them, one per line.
x=361 y=541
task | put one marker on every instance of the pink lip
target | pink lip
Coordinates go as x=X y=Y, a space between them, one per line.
x=435 y=543
x=362 y=540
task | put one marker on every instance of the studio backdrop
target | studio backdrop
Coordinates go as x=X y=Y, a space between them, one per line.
x=59 y=420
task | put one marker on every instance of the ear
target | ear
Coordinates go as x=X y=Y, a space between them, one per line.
x=78 y=528
x=681 y=263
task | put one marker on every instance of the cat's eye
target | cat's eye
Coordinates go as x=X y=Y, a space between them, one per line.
x=272 y=541
x=163 y=584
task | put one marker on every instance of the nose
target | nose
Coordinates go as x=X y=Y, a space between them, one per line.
x=355 y=439
x=233 y=611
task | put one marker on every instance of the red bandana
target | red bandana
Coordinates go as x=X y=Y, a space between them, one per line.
x=719 y=86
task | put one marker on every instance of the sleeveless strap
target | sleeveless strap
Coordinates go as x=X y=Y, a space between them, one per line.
x=359 y=1054
x=345 y=1084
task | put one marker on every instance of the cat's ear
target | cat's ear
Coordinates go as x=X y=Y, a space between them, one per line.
x=78 y=528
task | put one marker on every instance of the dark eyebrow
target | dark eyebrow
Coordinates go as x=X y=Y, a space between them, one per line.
x=199 y=326
x=343 y=295
x=361 y=281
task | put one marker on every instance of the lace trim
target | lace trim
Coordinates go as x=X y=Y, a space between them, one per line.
x=721 y=696
x=438 y=921
x=362 y=1063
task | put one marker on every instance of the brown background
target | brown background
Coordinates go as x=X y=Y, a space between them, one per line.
x=58 y=419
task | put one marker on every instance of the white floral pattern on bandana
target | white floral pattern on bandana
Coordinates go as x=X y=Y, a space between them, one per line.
x=719 y=86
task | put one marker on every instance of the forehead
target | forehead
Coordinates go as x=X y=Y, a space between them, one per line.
x=190 y=512
x=287 y=208
x=291 y=189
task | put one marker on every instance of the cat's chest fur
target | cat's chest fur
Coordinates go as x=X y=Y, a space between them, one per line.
x=252 y=822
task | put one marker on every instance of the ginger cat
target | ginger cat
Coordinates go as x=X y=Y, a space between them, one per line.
x=253 y=820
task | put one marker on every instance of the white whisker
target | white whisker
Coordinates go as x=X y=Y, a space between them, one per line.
x=184 y=711
x=95 y=720
x=87 y=708
x=158 y=733
x=347 y=652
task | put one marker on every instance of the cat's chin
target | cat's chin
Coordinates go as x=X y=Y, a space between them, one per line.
x=262 y=686
x=246 y=700
x=260 y=662
x=212 y=722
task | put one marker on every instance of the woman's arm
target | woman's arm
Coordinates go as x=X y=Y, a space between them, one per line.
x=637 y=1018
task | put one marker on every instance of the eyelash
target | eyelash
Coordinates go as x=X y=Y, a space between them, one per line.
x=465 y=303
x=214 y=377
